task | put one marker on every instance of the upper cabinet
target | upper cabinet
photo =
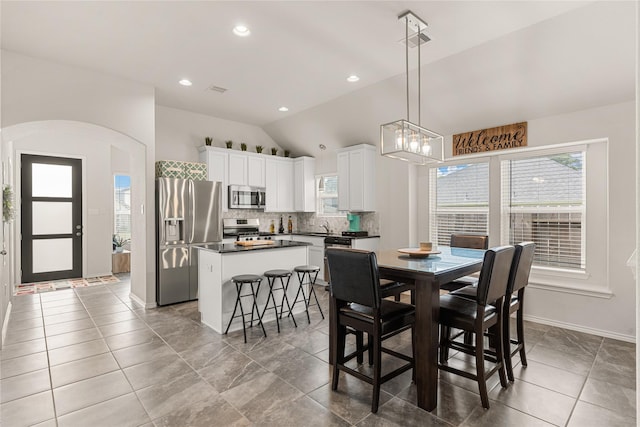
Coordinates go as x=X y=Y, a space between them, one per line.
x=217 y=161
x=279 y=185
x=289 y=183
x=246 y=169
x=304 y=198
x=356 y=178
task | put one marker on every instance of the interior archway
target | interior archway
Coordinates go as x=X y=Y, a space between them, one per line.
x=96 y=145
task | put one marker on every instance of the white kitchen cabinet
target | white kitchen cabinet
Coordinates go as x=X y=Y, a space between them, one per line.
x=246 y=169
x=279 y=185
x=356 y=178
x=255 y=170
x=367 y=244
x=217 y=164
x=304 y=184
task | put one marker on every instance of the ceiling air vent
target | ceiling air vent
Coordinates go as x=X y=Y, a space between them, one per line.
x=413 y=40
x=218 y=89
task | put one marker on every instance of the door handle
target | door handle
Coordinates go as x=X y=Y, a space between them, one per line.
x=78 y=234
x=3 y=252
x=78 y=227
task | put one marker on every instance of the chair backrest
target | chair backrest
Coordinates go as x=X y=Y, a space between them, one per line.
x=354 y=276
x=521 y=267
x=494 y=274
x=469 y=240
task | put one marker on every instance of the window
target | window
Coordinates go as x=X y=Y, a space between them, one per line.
x=327 y=196
x=122 y=206
x=543 y=200
x=459 y=200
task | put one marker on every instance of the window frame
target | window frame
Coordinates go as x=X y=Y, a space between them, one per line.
x=319 y=197
x=593 y=280
x=433 y=195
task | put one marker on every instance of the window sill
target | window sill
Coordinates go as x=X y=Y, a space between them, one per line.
x=560 y=284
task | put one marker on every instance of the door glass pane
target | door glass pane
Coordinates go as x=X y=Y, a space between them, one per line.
x=52 y=255
x=52 y=218
x=51 y=180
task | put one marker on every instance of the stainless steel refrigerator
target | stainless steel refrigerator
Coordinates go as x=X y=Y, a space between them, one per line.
x=187 y=213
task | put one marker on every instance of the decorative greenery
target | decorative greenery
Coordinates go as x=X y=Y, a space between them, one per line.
x=274 y=151
x=7 y=203
x=208 y=140
x=229 y=143
x=258 y=148
x=286 y=153
x=243 y=146
x=119 y=241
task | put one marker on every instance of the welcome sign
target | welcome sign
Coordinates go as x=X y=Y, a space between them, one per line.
x=498 y=138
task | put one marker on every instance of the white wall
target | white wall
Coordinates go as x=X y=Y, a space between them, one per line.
x=179 y=133
x=42 y=102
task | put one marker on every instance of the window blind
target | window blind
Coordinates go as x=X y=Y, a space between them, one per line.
x=459 y=200
x=543 y=200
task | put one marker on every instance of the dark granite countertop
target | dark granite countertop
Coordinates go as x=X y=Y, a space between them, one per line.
x=321 y=234
x=224 y=248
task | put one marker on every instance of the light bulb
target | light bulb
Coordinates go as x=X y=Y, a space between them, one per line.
x=426 y=147
x=413 y=145
x=399 y=139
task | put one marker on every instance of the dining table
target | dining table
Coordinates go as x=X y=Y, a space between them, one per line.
x=428 y=273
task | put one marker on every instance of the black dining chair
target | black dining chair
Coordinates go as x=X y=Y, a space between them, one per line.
x=484 y=313
x=357 y=306
x=467 y=241
x=514 y=303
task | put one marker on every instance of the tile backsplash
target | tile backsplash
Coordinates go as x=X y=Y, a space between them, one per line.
x=307 y=221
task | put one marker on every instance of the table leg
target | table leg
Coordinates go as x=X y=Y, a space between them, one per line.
x=427 y=308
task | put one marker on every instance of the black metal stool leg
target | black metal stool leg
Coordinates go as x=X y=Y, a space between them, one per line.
x=285 y=288
x=235 y=308
x=304 y=297
x=313 y=291
x=255 y=306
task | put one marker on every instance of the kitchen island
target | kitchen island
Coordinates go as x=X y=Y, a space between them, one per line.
x=218 y=263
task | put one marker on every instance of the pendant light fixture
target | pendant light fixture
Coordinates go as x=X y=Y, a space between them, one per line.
x=403 y=139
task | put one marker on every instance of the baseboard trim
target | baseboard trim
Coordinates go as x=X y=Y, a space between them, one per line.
x=579 y=328
x=142 y=303
x=5 y=323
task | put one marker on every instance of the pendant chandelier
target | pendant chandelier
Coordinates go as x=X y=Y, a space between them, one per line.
x=403 y=139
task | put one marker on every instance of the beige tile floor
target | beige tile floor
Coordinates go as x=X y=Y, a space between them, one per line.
x=91 y=357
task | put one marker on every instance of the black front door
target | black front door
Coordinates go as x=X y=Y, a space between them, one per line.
x=51 y=198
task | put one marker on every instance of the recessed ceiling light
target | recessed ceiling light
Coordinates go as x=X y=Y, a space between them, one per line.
x=283 y=109
x=185 y=82
x=241 y=30
x=353 y=78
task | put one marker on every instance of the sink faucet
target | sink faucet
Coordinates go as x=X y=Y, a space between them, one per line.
x=326 y=227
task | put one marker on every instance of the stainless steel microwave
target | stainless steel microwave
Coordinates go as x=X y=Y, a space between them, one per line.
x=244 y=197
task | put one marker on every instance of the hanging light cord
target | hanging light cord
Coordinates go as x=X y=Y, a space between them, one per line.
x=406 y=62
x=419 y=77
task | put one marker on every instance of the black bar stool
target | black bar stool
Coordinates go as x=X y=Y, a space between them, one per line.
x=251 y=280
x=311 y=273
x=271 y=276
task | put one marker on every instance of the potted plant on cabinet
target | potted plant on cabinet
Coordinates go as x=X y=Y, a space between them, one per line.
x=243 y=146
x=229 y=143
x=208 y=140
x=118 y=243
x=274 y=151
x=258 y=148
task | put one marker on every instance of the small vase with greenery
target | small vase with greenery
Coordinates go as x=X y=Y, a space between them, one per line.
x=274 y=151
x=118 y=243
x=258 y=148
x=286 y=153
x=229 y=143
x=243 y=146
x=208 y=140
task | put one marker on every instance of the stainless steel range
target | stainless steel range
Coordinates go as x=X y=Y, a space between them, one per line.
x=244 y=229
